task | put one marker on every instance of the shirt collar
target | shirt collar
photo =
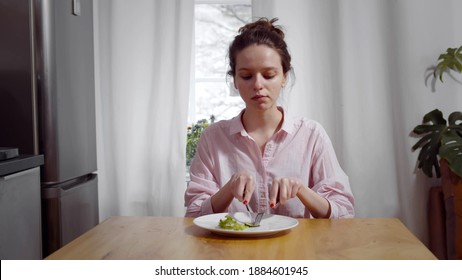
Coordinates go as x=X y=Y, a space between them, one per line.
x=288 y=125
x=236 y=126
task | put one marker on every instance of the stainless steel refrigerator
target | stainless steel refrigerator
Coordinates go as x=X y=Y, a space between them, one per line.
x=47 y=106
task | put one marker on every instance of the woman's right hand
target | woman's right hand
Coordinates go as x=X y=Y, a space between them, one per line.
x=240 y=186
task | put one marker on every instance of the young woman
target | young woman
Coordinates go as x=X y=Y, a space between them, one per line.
x=263 y=157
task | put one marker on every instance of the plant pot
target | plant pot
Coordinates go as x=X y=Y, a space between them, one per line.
x=437 y=223
x=452 y=193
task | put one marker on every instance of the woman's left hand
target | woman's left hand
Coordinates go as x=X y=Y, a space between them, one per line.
x=284 y=189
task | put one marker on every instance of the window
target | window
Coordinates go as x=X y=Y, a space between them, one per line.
x=216 y=24
x=213 y=98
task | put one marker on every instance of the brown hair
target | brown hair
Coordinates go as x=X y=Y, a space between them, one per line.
x=260 y=32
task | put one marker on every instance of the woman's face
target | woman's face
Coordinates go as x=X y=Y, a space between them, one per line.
x=259 y=76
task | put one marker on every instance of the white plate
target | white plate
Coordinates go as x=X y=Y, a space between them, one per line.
x=270 y=224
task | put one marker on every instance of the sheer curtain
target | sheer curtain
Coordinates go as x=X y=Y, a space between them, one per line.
x=361 y=70
x=143 y=59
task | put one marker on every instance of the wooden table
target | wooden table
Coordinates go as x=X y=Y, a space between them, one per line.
x=173 y=238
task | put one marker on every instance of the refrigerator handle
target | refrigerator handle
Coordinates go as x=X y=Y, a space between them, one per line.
x=76 y=7
x=35 y=131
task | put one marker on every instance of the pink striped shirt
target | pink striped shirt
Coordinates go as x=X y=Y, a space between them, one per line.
x=300 y=149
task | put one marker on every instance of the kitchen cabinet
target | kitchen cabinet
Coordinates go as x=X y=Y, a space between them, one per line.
x=20 y=208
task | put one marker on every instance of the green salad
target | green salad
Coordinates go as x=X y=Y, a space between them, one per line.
x=229 y=223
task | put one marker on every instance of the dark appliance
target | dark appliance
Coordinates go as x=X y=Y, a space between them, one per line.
x=47 y=107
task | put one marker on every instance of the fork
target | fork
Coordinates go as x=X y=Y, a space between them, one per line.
x=257 y=220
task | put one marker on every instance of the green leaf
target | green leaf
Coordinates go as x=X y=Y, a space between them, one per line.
x=434 y=117
x=424 y=140
x=439 y=139
x=451 y=150
x=459 y=67
x=425 y=128
x=454 y=117
x=451 y=60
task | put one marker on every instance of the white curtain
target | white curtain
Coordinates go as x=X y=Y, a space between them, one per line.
x=143 y=59
x=361 y=71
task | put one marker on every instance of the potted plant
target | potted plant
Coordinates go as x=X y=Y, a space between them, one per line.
x=193 y=136
x=440 y=147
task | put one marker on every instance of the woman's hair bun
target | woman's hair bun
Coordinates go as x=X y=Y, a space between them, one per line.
x=263 y=24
